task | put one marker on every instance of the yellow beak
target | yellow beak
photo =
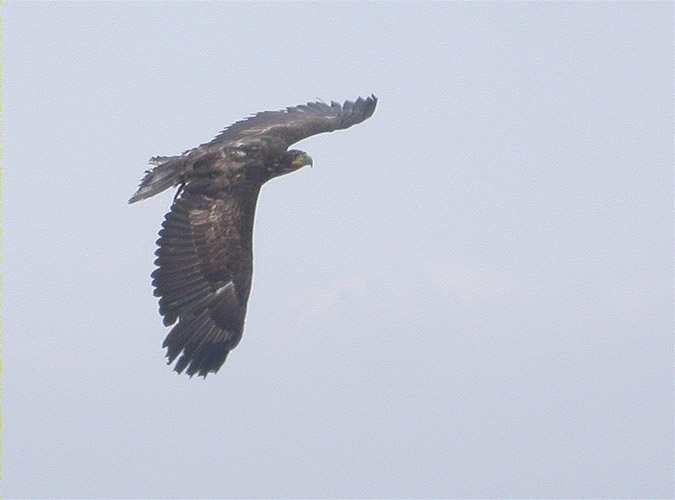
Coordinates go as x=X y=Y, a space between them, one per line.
x=301 y=161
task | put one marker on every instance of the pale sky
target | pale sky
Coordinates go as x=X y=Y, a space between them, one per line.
x=469 y=295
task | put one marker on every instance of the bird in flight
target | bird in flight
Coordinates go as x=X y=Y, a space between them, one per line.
x=204 y=259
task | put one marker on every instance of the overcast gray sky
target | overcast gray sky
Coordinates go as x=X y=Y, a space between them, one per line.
x=470 y=295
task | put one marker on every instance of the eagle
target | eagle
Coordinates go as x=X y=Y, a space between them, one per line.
x=204 y=256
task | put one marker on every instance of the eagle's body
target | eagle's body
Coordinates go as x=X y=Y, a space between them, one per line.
x=204 y=259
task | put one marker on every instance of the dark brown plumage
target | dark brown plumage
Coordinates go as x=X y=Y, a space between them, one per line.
x=204 y=258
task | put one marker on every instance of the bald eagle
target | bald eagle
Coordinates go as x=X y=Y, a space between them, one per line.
x=204 y=259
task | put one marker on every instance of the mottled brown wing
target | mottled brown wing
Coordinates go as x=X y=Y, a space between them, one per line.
x=296 y=123
x=204 y=277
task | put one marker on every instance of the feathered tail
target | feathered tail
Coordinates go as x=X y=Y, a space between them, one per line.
x=167 y=173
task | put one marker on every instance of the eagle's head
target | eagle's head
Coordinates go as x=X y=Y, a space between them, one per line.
x=290 y=161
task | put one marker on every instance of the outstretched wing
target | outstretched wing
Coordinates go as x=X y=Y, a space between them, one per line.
x=204 y=277
x=296 y=123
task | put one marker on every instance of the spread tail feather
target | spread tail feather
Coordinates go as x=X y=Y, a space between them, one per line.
x=167 y=173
